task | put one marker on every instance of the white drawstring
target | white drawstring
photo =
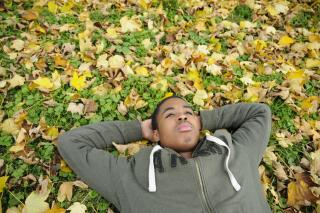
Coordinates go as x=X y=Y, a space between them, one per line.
x=233 y=180
x=152 y=177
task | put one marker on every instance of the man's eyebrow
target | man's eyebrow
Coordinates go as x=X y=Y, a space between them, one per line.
x=187 y=106
x=170 y=108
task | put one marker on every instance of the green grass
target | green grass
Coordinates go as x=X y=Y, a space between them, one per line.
x=241 y=12
x=302 y=19
x=285 y=114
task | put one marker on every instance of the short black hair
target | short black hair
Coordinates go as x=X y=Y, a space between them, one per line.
x=155 y=113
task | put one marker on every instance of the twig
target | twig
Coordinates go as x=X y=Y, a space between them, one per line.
x=15 y=197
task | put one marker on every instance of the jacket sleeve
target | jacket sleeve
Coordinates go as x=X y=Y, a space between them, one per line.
x=83 y=149
x=250 y=124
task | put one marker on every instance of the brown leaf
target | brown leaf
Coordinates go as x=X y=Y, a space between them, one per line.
x=129 y=149
x=30 y=15
x=65 y=191
x=89 y=105
x=299 y=193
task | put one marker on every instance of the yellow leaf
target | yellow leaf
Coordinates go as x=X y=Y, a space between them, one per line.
x=272 y=11
x=199 y=97
x=78 y=82
x=64 y=167
x=296 y=80
x=3 y=181
x=52 y=7
x=60 y=61
x=129 y=25
x=314 y=38
x=142 y=71
x=145 y=4
x=44 y=82
x=168 y=94
x=299 y=192
x=310 y=104
x=285 y=41
x=259 y=44
x=35 y=203
x=87 y=74
x=312 y=63
x=129 y=149
x=9 y=126
x=193 y=75
x=56 y=209
x=160 y=83
x=67 y=7
x=51 y=133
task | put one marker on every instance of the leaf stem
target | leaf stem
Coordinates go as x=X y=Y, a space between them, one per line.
x=15 y=197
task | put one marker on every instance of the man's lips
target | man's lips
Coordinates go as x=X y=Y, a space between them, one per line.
x=184 y=127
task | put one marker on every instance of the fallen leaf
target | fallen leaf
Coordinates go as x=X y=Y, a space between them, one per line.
x=17 y=44
x=199 y=97
x=35 y=203
x=9 y=126
x=17 y=80
x=64 y=167
x=77 y=208
x=299 y=192
x=285 y=41
x=142 y=71
x=116 y=62
x=53 y=7
x=3 y=181
x=78 y=82
x=89 y=105
x=129 y=25
x=65 y=191
x=30 y=15
x=129 y=149
x=102 y=61
x=75 y=108
x=312 y=63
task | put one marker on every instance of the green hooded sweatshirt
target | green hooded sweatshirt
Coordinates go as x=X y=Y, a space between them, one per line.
x=221 y=177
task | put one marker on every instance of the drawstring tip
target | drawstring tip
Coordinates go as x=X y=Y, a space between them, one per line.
x=152 y=189
x=237 y=187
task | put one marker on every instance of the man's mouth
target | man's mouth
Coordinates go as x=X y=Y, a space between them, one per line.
x=184 y=127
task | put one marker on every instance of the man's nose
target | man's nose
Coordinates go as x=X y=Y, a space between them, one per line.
x=182 y=117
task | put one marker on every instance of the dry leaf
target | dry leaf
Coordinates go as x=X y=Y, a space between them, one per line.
x=65 y=191
x=75 y=108
x=17 y=80
x=116 y=61
x=77 y=208
x=35 y=203
x=299 y=192
x=129 y=25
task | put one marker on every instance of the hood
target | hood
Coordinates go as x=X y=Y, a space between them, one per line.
x=145 y=172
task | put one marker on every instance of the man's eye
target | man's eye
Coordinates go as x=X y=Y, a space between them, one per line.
x=171 y=114
x=190 y=113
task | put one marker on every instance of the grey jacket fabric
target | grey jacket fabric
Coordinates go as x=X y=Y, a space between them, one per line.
x=200 y=184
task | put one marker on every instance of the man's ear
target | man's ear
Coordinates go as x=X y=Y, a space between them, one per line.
x=155 y=135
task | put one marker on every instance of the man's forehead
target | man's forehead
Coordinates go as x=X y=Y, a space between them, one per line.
x=173 y=103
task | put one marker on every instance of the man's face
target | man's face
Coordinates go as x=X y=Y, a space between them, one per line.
x=178 y=126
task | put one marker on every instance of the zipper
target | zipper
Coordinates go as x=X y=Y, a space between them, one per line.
x=202 y=187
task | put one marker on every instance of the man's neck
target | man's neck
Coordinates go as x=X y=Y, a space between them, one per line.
x=186 y=155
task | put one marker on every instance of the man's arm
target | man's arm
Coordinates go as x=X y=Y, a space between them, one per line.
x=250 y=124
x=83 y=149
